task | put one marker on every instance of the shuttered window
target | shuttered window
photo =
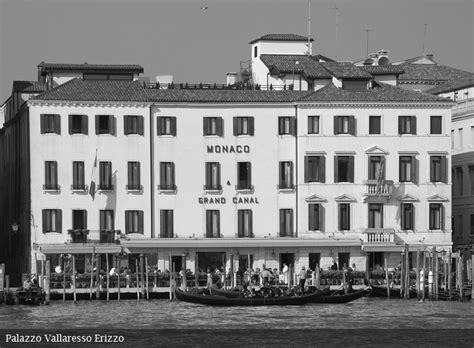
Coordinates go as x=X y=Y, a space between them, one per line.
x=78 y=124
x=166 y=125
x=375 y=125
x=344 y=223
x=212 y=223
x=107 y=221
x=376 y=216
x=408 y=169
x=245 y=223
x=436 y=216
x=213 y=176
x=438 y=169
x=78 y=182
x=408 y=217
x=286 y=222
x=286 y=175
x=166 y=224
x=344 y=125
x=243 y=125
x=52 y=220
x=314 y=169
x=79 y=219
x=315 y=217
x=244 y=176
x=313 y=124
x=133 y=176
x=50 y=124
x=213 y=126
x=167 y=176
x=343 y=169
x=105 y=124
x=134 y=221
x=133 y=125
x=287 y=125
x=105 y=176
x=51 y=175
x=376 y=168
x=406 y=125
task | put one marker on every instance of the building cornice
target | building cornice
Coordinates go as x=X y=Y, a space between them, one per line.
x=375 y=105
x=60 y=103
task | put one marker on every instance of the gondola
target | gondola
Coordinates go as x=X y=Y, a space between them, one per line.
x=32 y=297
x=215 y=300
x=381 y=291
x=342 y=298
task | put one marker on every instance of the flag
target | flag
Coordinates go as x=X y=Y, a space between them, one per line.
x=380 y=176
x=92 y=186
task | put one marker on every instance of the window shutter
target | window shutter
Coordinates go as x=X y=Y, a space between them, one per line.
x=336 y=119
x=173 y=126
x=282 y=222
x=85 y=124
x=102 y=225
x=218 y=218
x=310 y=129
x=291 y=222
x=159 y=125
x=441 y=213
x=112 y=125
x=208 y=222
x=291 y=174
x=162 y=224
x=236 y=125
x=42 y=121
x=293 y=126
x=413 y=125
x=205 y=127
x=140 y=125
x=126 y=125
x=249 y=171
x=306 y=168
x=251 y=125
x=352 y=124
x=70 y=123
x=414 y=169
x=170 y=224
x=351 y=169
x=127 y=221
x=311 y=217
x=336 y=169
x=57 y=124
x=322 y=169
x=84 y=222
x=172 y=174
x=59 y=226
x=218 y=174
x=97 y=124
x=370 y=175
x=444 y=171
x=219 y=126
x=44 y=217
x=140 y=221
x=400 y=125
x=321 y=217
x=250 y=223
x=138 y=174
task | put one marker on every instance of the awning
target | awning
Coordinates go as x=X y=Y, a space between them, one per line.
x=80 y=248
x=143 y=244
x=382 y=248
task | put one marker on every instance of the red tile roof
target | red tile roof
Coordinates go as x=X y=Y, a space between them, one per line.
x=453 y=85
x=280 y=63
x=383 y=69
x=345 y=70
x=91 y=67
x=281 y=37
x=28 y=87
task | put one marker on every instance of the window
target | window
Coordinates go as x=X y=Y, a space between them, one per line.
x=458 y=186
x=343 y=260
x=78 y=124
x=315 y=217
x=212 y=224
x=134 y=221
x=436 y=124
x=166 y=224
x=245 y=225
x=133 y=176
x=460 y=228
x=472 y=224
x=78 y=182
x=286 y=175
x=286 y=222
x=105 y=124
x=471 y=179
x=51 y=175
x=375 y=125
x=79 y=219
x=213 y=126
x=408 y=217
x=343 y=169
x=375 y=215
x=133 y=125
x=166 y=125
x=314 y=260
x=167 y=176
x=314 y=169
x=436 y=216
x=472 y=135
x=255 y=51
x=313 y=124
x=50 y=124
x=105 y=176
x=286 y=125
x=213 y=176
x=452 y=139
x=244 y=176
x=406 y=125
x=438 y=169
x=107 y=221
x=376 y=167
x=407 y=169
x=243 y=126
x=344 y=125
x=52 y=220
x=460 y=139
x=344 y=223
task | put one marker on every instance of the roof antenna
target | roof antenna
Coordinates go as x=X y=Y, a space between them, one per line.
x=367 y=47
x=309 y=29
x=424 y=36
x=336 y=9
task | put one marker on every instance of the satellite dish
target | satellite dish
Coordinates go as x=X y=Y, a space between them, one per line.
x=368 y=61
x=383 y=61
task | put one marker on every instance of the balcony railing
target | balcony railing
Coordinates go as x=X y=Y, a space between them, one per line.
x=51 y=187
x=243 y=235
x=106 y=187
x=376 y=188
x=78 y=235
x=167 y=187
x=212 y=187
x=79 y=187
x=134 y=187
x=379 y=236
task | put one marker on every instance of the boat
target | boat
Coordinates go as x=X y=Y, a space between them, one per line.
x=381 y=291
x=32 y=297
x=216 y=300
x=336 y=297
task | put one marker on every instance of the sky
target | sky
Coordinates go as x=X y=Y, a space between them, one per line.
x=180 y=38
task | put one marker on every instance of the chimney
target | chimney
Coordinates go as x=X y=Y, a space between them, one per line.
x=231 y=78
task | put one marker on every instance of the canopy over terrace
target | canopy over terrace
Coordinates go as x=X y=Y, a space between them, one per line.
x=86 y=248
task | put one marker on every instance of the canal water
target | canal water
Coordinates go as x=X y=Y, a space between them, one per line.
x=365 y=322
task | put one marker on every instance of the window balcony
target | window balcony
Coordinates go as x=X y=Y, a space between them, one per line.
x=374 y=188
x=79 y=188
x=134 y=188
x=217 y=188
x=107 y=236
x=78 y=235
x=242 y=235
x=167 y=188
x=51 y=188
x=379 y=236
x=286 y=234
x=244 y=188
x=105 y=187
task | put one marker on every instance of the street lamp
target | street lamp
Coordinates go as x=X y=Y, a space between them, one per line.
x=15 y=227
x=296 y=62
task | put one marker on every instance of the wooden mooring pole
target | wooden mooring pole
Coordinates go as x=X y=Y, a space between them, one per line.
x=407 y=272
x=92 y=272
x=385 y=265
x=461 y=274
x=146 y=279
x=47 y=282
x=64 y=278
x=450 y=281
x=2 y=282
x=435 y=274
x=97 y=279
x=317 y=277
x=107 y=275
x=417 y=285
x=73 y=277
x=402 y=274
x=138 y=280
x=118 y=276
x=422 y=279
